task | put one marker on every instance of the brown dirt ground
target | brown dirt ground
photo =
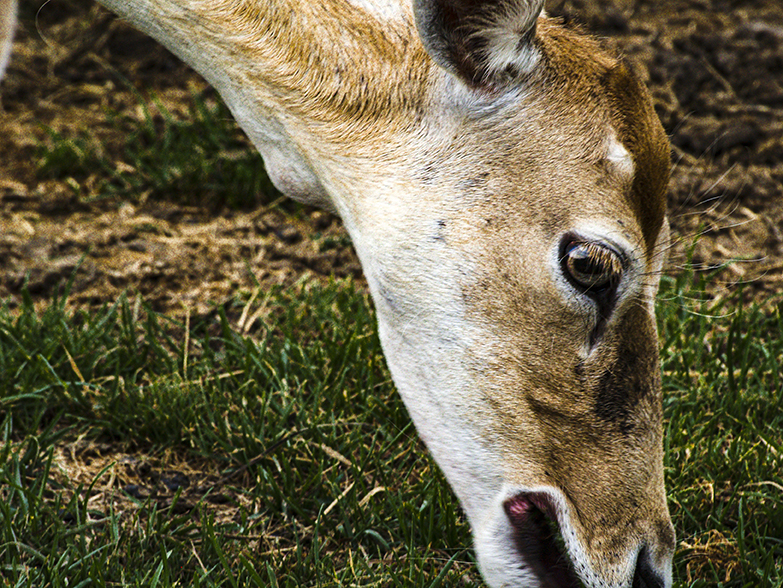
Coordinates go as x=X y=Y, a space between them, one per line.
x=715 y=71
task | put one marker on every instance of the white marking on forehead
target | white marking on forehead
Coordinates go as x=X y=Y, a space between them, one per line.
x=383 y=9
x=617 y=154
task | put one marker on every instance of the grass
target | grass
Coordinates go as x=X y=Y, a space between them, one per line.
x=321 y=479
x=723 y=385
x=301 y=465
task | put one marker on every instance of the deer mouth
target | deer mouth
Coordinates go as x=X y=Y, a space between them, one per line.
x=536 y=534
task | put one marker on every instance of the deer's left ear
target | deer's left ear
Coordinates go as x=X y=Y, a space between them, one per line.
x=485 y=42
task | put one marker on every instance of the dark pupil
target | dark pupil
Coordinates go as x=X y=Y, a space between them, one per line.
x=590 y=265
x=583 y=264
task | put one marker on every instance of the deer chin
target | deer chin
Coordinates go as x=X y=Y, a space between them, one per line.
x=535 y=534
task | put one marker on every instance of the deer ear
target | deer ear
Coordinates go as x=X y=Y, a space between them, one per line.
x=485 y=42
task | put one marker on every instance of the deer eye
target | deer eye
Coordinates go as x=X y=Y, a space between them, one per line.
x=593 y=268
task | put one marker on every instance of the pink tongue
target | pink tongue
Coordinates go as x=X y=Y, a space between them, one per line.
x=518 y=510
x=528 y=513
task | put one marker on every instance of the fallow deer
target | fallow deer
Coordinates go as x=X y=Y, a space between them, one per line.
x=503 y=180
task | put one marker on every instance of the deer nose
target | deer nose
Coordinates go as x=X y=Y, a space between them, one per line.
x=645 y=575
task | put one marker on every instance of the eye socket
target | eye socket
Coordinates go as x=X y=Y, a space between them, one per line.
x=592 y=267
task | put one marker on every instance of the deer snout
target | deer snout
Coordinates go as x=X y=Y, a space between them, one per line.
x=646 y=574
x=654 y=562
x=535 y=541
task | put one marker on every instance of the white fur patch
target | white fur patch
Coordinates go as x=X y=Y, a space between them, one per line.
x=619 y=156
x=383 y=9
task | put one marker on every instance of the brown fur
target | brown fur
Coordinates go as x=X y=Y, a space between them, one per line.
x=330 y=62
x=641 y=132
x=591 y=428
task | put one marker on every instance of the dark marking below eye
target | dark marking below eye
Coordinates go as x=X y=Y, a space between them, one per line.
x=614 y=400
x=633 y=377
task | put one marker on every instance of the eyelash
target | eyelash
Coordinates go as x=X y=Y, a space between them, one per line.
x=602 y=257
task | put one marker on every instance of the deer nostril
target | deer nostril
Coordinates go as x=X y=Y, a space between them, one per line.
x=645 y=576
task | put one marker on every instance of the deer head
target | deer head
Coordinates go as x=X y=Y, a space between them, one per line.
x=556 y=187
x=503 y=180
